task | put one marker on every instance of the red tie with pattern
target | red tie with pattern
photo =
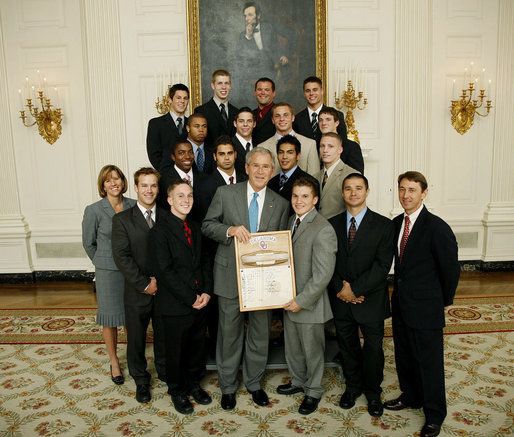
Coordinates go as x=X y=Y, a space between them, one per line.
x=188 y=234
x=405 y=236
x=352 y=231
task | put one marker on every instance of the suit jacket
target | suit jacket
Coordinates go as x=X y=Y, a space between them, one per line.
x=208 y=165
x=168 y=175
x=241 y=154
x=426 y=279
x=303 y=125
x=180 y=271
x=229 y=207
x=161 y=135
x=314 y=249
x=309 y=160
x=264 y=129
x=352 y=155
x=97 y=231
x=365 y=265
x=287 y=189
x=129 y=249
x=331 y=200
x=215 y=125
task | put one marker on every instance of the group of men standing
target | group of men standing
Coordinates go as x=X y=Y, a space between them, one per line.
x=238 y=171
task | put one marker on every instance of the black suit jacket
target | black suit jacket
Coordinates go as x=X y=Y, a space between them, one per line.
x=302 y=125
x=215 y=125
x=264 y=129
x=426 y=279
x=162 y=133
x=241 y=154
x=208 y=165
x=352 y=155
x=365 y=265
x=181 y=274
x=129 y=249
x=287 y=189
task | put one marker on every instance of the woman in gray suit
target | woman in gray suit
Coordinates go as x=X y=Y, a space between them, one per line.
x=96 y=239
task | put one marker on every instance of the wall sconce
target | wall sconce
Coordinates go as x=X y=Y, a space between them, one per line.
x=47 y=117
x=463 y=110
x=350 y=98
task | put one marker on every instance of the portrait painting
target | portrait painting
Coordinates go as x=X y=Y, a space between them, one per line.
x=283 y=40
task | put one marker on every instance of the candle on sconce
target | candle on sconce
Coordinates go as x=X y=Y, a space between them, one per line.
x=482 y=83
x=33 y=94
x=44 y=85
x=489 y=90
x=56 y=105
x=453 y=89
x=21 y=98
x=27 y=87
x=39 y=84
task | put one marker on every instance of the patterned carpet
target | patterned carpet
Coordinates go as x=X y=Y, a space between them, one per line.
x=64 y=389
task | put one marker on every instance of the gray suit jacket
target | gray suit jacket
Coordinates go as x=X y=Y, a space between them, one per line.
x=331 y=200
x=309 y=160
x=314 y=251
x=97 y=230
x=229 y=207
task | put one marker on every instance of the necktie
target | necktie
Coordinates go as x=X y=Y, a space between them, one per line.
x=253 y=213
x=248 y=146
x=325 y=177
x=405 y=236
x=224 y=115
x=352 y=231
x=200 y=159
x=231 y=180
x=187 y=179
x=296 y=224
x=282 y=181
x=188 y=234
x=149 y=219
x=180 y=126
x=314 y=123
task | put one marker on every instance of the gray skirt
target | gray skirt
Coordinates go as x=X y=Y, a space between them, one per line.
x=109 y=297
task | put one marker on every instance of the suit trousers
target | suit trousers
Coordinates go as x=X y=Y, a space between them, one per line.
x=419 y=360
x=305 y=355
x=185 y=350
x=232 y=341
x=363 y=366
x=137 y=319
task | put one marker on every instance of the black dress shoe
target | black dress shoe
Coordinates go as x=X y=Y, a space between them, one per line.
x=348 y=399
x=375 y=408
x=143 y=394
x=200 y=395
x=288 y=389
x=430 y=430
x=118 y=380
x=397 y=404
x=308 y=405
x=228 y=401
x=182 y=404
x=260 y=397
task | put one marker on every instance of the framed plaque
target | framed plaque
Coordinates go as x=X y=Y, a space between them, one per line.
x=265 y=271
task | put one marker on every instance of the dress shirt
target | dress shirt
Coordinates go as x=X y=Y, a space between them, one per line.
x=301 y=217
x=278 y=136
x=358 y=219
x=219 y=102
x=243 y=141
x=413 y=217
x=330 y=169
x=289 y=173
x=175 y=117
x=317 y=111
x=185 y=175
x=143 y=210
x=195 y=151
x=261 y=112
x=227 y=176
x=260 y=199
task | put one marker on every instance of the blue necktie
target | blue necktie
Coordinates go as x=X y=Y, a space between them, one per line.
x=253 y=213
x=199 y=159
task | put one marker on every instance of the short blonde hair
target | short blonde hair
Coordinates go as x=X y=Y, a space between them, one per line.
x=105 y=173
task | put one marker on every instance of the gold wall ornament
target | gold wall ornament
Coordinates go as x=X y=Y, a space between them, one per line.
x=48 y=118
x=463 y=110
x=350 y=100
x=163 y=104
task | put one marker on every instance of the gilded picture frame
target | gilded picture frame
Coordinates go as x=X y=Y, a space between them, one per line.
x=215 y=27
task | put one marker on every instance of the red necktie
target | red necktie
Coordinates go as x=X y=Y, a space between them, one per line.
x=352 y=231
x=188 y=234
x=405 y=236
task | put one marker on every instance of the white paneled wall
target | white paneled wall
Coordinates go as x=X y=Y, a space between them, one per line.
x=106 y=59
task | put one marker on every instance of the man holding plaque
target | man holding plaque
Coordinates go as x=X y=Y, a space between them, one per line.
x=235 y=212
x=314 y=250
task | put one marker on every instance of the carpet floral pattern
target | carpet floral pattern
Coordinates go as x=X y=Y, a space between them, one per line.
x=65 y=390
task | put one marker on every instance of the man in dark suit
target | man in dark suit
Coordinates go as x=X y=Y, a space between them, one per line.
x=306 y=121
x=184 y=291
x=218 y=111
x=289 y=150
x=244 y=123
x=358 y=293
x=329 y=121
x=426 y=275
x=265 y=94
x=130 y=230
x=165 y=130
x=235 y=211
